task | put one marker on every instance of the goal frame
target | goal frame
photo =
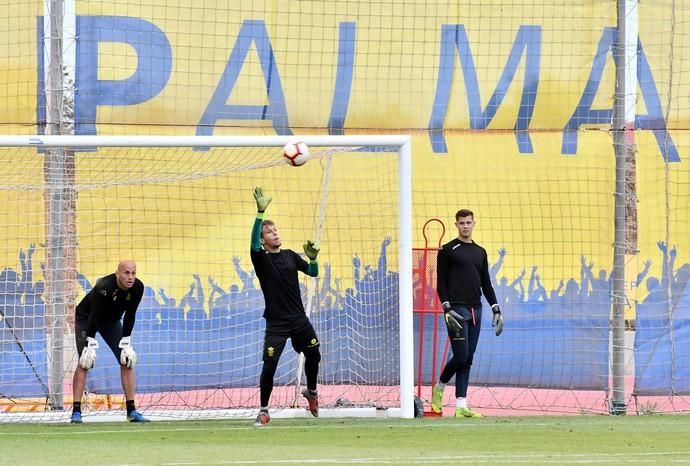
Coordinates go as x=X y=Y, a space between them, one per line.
x=404 y=156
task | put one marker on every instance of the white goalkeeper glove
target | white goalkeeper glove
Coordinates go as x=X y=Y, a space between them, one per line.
x=127 y=356
x=88 y=354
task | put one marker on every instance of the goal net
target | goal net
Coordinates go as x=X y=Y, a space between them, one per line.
x=182 y=208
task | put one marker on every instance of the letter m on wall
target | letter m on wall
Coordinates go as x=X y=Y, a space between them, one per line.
x=453 y=36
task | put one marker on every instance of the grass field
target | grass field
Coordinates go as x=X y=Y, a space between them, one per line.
x=657 y=439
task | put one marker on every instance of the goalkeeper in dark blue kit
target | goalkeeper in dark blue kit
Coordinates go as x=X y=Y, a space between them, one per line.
x=462 y=276
x=276 y=270
x=114 y=296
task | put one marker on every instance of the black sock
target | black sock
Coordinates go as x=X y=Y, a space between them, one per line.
x=130 y=406
x=76 y=407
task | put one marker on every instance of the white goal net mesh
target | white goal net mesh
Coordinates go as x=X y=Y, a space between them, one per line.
x=185 y=216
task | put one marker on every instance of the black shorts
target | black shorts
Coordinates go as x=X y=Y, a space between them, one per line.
x=111 y=333
x=303 y=338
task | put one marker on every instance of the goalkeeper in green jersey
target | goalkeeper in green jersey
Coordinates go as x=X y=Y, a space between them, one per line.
x=114 y=296
x=276 y=270
x=462 y=276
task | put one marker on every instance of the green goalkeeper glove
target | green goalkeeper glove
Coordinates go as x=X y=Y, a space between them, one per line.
x=262 y=200
x=453 y=319
x=497 y=321
x=311 y=250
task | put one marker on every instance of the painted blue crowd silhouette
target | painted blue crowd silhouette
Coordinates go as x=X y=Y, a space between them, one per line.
x=590 y=289
x=212 y=336
x=559 y=337
x=21 y=299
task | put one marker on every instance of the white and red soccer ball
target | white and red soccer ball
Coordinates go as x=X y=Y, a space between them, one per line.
x=296 y=153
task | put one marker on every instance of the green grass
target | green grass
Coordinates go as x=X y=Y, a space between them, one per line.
x=659 y=439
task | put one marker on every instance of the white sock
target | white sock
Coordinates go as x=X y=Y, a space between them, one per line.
x=461 y=402
x=441 y=386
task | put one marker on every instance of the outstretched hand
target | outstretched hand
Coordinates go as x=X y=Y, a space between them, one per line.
x=311 y=250
x=262 y=200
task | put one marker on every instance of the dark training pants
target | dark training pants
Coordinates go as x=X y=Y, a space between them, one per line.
x=463 y=345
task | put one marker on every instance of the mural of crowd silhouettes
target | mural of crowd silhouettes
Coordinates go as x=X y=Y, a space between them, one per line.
x=212 y=336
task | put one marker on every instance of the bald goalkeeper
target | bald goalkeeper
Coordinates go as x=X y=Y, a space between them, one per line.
x=109 y=309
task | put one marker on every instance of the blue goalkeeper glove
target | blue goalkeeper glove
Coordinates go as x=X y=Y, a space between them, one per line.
x=453 y=319
x=497 y=321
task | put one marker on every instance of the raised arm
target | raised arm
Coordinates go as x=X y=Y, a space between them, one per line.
x=168 y=301
x=665 y=275
x=356 y=265
x=532 y=282
x=586 y=275
x=246 y=278
x=383 y=261
x=643 y=273
x=215 y=287
x=199 y=301
x=671 y=264
x=540 y=291
x=518 y=282
x=493 y=270
x=27 y=280
x=312 y=252
x=262 y=202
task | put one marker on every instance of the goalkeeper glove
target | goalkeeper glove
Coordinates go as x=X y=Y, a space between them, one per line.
x=127 y=356
x=310 y=250
x=498 y=319
x=262 y=200
x=453 y=319
x=88 y=354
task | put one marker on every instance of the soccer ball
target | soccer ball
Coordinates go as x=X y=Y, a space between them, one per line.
x=295 y=153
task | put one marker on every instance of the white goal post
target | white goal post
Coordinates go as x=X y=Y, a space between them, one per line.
x=181 y=206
